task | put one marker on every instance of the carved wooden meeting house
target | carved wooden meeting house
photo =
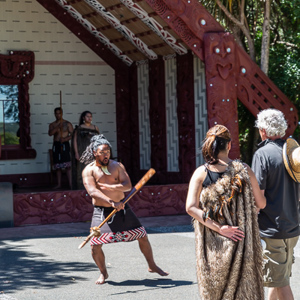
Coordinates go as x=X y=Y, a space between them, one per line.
x=156 y=74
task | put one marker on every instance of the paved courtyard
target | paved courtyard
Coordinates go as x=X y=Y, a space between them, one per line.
x=44 y=262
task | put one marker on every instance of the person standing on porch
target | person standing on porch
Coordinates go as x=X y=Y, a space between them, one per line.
x=61 y=130
x=81 y=139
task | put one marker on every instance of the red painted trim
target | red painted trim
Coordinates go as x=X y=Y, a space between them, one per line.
x=76 y=206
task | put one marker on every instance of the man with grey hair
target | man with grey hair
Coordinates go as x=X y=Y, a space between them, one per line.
x=279 y=220
x=106 y=181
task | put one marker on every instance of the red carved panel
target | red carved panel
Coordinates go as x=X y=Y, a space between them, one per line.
x=52 y=207
x=221 y=72
x=160 y=200
x=18 y=68
x=195 y=16
x=186 y=115
x=167 y=11
x=257 y=92
x=76 y=206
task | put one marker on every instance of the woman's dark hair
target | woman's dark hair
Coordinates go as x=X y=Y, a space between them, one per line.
x=83 y=115
x=217 y=139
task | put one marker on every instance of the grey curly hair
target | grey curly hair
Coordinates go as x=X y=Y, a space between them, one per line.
x=96 y=141
x=272 y=121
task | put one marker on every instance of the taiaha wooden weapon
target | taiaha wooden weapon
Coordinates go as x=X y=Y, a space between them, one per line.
x=61 y=120
x=61 y=114
x=137 y=187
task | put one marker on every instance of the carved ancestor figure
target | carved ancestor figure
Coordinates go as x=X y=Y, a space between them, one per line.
x=221 y=86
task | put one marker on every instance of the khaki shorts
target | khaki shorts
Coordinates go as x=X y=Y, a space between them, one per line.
x=278 y=260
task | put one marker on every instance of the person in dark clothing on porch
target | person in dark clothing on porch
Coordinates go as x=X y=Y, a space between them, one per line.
x=61 y=130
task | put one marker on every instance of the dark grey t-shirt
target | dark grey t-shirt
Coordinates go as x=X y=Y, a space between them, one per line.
x=281 y=217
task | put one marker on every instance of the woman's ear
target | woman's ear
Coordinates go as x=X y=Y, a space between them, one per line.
x=229 y=146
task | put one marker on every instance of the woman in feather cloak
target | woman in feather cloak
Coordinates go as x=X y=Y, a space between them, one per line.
x=224 y=198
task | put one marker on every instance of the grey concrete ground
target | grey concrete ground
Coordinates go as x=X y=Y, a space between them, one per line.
x=44 y=262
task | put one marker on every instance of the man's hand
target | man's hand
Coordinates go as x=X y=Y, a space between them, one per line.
x=117 y=205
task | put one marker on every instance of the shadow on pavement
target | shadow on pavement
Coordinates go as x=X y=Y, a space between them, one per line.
x=21 y=269
x=170 y=229
x=163 y=283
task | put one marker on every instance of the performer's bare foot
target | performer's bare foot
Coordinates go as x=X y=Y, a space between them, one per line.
x=101 y=279
x=158 y=270
x=57 y=187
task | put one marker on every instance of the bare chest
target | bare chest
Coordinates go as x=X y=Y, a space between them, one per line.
x=100 y=177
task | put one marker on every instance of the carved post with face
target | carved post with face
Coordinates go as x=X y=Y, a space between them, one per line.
x=221 y=84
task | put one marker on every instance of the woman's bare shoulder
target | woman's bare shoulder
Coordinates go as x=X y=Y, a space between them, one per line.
x=200 y=173
x=201 y=169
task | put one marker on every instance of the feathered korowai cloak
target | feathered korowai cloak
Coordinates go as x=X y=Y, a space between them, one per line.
x=227 y=269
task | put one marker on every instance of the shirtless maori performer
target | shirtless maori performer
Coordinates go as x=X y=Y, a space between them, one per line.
x=62 y=132
x=106 y=181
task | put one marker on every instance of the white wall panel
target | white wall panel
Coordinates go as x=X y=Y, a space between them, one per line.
x=201 y=126
x=171 y=116
x=144 y=120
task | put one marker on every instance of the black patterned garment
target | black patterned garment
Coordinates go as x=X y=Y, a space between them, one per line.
x=61 y=155
x=124 y=226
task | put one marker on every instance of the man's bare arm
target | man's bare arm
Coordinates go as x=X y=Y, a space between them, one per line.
x=53 y=129
x=124 y=184
x=99 y=198
x=70 y=131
